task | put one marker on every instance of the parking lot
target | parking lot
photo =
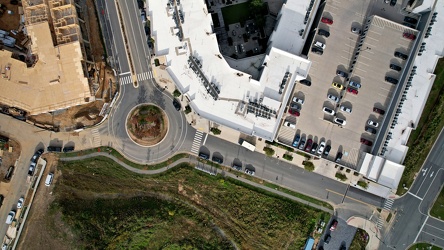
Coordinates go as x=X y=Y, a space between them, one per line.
x=368 y=68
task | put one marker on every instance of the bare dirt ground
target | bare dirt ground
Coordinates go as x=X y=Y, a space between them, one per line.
x=8 y=158
x=72 y=118
x=9 y=22
x=41 y=231
x=96 y=41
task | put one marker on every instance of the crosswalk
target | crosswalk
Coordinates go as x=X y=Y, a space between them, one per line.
x=388 y=203
x=380 y=222
x=196 y=142
x=96 y=137
x=128 y=79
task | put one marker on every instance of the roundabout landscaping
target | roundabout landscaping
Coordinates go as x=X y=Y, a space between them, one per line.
x=147 y=125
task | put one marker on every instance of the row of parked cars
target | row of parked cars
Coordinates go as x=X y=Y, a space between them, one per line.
x=219 y=160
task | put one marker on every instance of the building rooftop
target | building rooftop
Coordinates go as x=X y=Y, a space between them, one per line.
x=56 y=80
x=199 y=71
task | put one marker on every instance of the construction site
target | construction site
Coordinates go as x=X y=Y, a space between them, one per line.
x=51 y=61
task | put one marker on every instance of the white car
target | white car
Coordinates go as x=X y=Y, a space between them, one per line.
x=333 y=98
x=355 y=84
x=10 y=217
x=248 y=171
x=20 y=203
x=340 y=121
x=319 y=45
x=346 y=109
x=321 y=147
x=289 y=124
x=328 y=111
x=373 y=123
x=298 y=100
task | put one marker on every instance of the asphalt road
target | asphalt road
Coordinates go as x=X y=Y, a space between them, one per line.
x=412 y=222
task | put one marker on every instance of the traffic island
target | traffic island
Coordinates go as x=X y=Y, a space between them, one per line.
x=147 y=125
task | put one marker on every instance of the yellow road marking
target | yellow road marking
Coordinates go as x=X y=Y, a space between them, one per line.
x=348 y=197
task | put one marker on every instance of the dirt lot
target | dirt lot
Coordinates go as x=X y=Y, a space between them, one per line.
x=96 y=41
x=71 y=118
x=8 y=158
x=9 y=22
x=35 y=234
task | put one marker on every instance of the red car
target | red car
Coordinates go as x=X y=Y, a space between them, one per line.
x=366 y=142
x=334 y=224
x=309 y=145
x=352 y=90
x=379 y=111
x=294 y=112
x=327 y=20
x=409 y=36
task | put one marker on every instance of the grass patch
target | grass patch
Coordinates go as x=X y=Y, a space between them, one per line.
x=215 y=131
x=389 y=217
x=437 y=210
x=268 y=151
x=341 y=176
x=236 y=13
x=424 y=246
x=178 y=209
x=421 y=140
x=307 y=156
x=288 y=157
x=360 y=240
x=116 y=154
x=363 y=184
x=309 y=166
x=276 y=144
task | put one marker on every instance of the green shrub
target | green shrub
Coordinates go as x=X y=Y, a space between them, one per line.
x=363 y=184
x=307 y=156
x=176 y=93
x=156 y=62
x=308 y=165
x=215 y=131
x=288 y=157
x=187 y=109
x=269 y=151
x=341 y=176
x=289 y=149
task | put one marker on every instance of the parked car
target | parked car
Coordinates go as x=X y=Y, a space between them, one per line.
x=237 y=167
x=370 y=130
x=379 y=111
x=327 y=20
x=391 y=80
x=295 y=106
x=328 y=111
x=323 y=33
x=372 y=123
x=305 y=82
x=309 y=145
x=297 y=139
x=294 y=112
x=68 y=149
x=395 y=67
x=327 y=238
x=354 y=84
x=317 y=50
x=366 y=142
x=327 y=150
x=176 y=104
x=345 y=109
x=392 y=2
x=319 y=45
x=334 y=223
x=410 y=20
x=338 y=86
x=1 y=199
x=54 y=149
x=249 y=171
x=341 y=73
x=302 y=144
x=338 y=158
x=356 y=30
x=352 y=90
x=409 y=36
x=314 y=148
x=20 y=202
x=9 y=173
x=217 y=159
x=289 y=124
x=204 y=156
x=340 y=121
x=31 y=169
x=333 y=98
x=36 y=155
x=321 y=147
x=400 y=55
x=10 y=217
x=298 y=100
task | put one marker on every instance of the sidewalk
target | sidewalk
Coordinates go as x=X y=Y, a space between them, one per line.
x=370 y=228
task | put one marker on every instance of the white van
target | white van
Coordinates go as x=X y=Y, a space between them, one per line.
x=319 y=45
x=49 y=179
x=289 y=124
x=10 y=217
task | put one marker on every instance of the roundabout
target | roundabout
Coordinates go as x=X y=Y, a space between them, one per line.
x=147 y=125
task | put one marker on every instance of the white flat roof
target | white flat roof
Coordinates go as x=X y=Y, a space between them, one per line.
x=391 y=174
x=237 y=89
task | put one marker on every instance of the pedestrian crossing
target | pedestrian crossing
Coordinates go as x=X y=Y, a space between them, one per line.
x=128 y=79
x=380 y=222
x=388 y=203
x=96 y=137
x=196 y=142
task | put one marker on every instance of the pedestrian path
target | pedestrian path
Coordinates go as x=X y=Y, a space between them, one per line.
x=388 y=203
x=126 y=80
x=196 y=142
x=96 y=137
x=144 y=76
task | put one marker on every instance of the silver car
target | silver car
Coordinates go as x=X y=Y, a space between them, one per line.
x=298 y=100
x=354 y=84
x=346 y=109
x=333 y=98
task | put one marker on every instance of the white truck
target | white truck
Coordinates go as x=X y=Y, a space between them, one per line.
x=248 y=145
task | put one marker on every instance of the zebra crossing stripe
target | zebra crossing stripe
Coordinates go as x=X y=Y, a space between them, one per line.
x=196 y=142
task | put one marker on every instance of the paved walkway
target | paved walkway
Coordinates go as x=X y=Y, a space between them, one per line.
x=189 y=160
x=370 y=227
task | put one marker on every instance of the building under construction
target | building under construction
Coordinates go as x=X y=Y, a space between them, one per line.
x=57 y=76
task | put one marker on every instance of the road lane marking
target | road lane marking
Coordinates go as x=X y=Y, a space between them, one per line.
x=205 y=140
x=122 y=74
x=414 y=195
x=420 y=230
x=440 y=229
x=348 y=197
x=433 y=235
